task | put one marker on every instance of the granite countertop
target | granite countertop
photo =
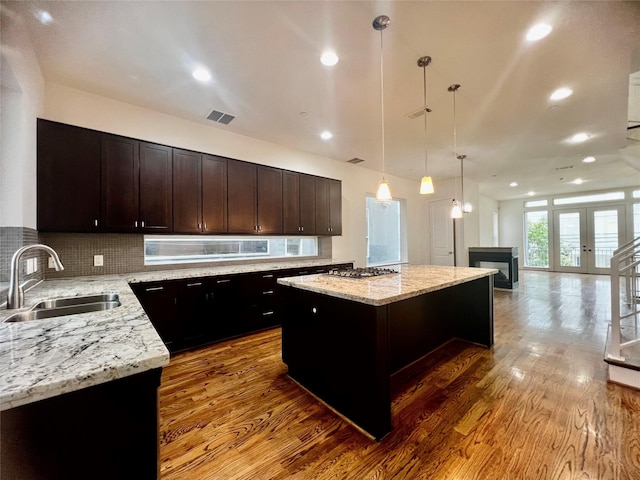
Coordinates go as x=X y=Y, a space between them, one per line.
x=411 y=281
x=48 y=357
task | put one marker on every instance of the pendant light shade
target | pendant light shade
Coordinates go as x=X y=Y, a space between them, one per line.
x=456 y=210
x=426 y=185
x=383 y=194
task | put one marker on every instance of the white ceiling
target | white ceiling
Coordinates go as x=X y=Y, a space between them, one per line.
x=264 y=58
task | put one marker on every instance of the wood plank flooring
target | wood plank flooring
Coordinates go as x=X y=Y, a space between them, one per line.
x=535 y=406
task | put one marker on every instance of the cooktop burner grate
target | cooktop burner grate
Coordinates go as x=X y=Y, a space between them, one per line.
x=360 y=272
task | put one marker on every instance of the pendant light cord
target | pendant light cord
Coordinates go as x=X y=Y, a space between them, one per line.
x=382 y=97
x=426 y=110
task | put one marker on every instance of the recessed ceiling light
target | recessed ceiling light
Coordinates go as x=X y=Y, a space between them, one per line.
x=201 y=74
x=43 y=17
x=578 y=181
x=561 y=93
x=589 y=159
x=513 y=184
x=326 y=135
x=329 y=58
x=531 y=193
x=579 y=137
x=538 y=31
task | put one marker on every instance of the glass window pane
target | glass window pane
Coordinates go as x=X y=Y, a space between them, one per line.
x=569 y=235
x=605 y=235
x=537 y=239
x=636 y=220
x=536 y=203
x=164 y=250
x=636 y=194
x=384 y=235
x=599 y=197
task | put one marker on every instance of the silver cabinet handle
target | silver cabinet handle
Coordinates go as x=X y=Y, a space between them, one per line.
x=135 y=224
x=153 y=289
x=223 y=281
x=196 y=284
x=266 y=314
x=143 y=224
x=268 y=292
x=268 y=276
x=95 y=222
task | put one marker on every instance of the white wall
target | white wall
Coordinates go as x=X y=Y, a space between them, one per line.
x=511 y=223
x=75 y=107
x=21 y=102
x=487 y=207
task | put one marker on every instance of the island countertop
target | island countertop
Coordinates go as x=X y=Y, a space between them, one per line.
x=44 y=358
x=410 y=281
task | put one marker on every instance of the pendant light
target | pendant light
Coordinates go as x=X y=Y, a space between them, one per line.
x=426 y=185
x=383 y=193
x=456 y=209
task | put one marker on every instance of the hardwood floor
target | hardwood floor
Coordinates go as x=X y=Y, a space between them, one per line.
x=535 y=406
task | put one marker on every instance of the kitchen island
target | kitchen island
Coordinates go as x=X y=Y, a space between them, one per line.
x=343 y=338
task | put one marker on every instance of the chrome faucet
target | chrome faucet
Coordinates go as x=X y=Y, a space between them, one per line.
x=15 y=297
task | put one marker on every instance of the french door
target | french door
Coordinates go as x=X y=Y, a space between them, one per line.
x=585 y=238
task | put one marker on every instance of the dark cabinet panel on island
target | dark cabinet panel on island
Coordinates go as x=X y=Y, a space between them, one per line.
x=68 y=185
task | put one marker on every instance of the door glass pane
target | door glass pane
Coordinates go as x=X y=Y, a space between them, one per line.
x=384 y=235
x=605 y=236
x=569 y=225
x=537 y=239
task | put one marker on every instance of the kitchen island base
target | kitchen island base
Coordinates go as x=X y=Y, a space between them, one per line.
x=345 y=351
x=105 y=431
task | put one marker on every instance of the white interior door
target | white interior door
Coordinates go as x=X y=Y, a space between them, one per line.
x=585 y=238
x=441 y=232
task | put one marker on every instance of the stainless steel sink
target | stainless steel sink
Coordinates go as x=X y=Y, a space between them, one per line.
x=82 y=300
x=68 y=306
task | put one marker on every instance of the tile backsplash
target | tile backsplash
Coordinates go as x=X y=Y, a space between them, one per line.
x=11 y=239
x=122 y=253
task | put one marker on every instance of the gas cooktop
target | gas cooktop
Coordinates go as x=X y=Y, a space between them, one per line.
x=366 y=272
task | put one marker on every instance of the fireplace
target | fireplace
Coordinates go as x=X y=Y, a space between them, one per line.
x=505 y=259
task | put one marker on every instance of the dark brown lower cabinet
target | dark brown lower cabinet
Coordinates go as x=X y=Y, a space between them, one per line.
x=101 y=432
x=192 y=312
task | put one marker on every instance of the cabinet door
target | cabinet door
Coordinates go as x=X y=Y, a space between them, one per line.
x=323 y=222
x=158 y=299
x=120 y=159
x=269 y=200
x=291 y=202
x=214 y=194
x=335 y=207
x=68 y=181
x=242 y=197
x=187 y=208
x=156 y=200
x=307 y=204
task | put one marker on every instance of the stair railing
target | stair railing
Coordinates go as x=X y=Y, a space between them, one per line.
x=625 y=264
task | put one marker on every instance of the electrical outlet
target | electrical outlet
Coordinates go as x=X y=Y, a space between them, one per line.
x=31 y=265
x=98 y=260
x=51 y=264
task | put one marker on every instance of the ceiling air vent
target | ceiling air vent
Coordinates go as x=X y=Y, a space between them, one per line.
x=355 y=160
x=220 y=117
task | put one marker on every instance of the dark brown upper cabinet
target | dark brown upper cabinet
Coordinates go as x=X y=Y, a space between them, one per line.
x=269 y=218
x=199 y=193
x=214 y=194
x=254 y=198
x=136 y=186
x=242 y=182
x=68 y=180
x=328 y=206
x=156 y=186
x=298 y=203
